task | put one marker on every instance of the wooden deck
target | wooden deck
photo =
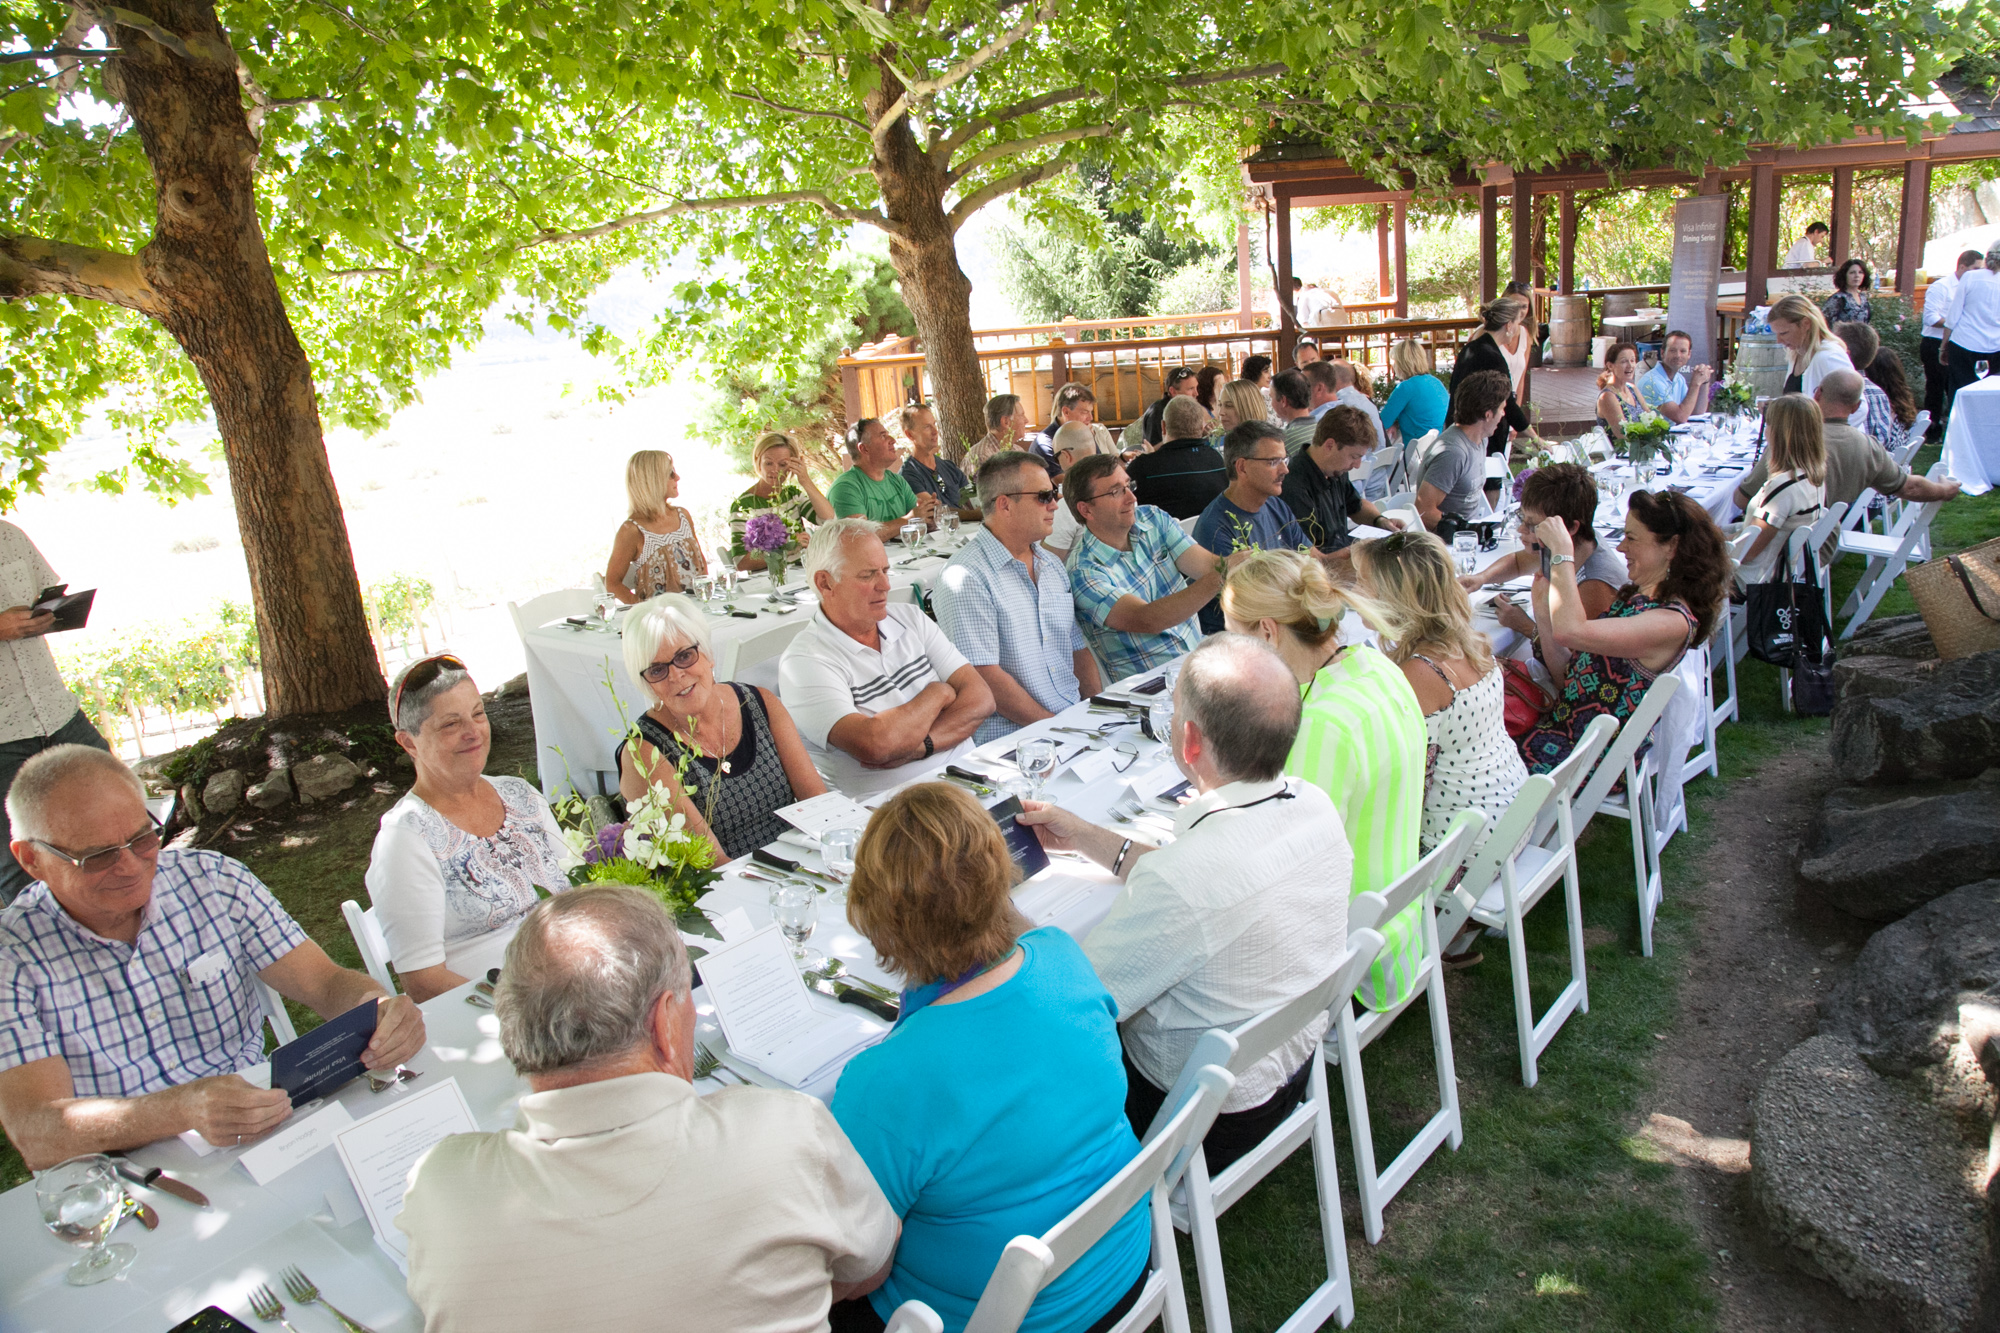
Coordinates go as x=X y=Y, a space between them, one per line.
x=1567 y=397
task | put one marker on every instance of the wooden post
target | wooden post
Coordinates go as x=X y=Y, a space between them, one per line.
x=1843 y=214
x=1489 y=242
x=1522 y=207
x=1288 y=320
x=1566 y=245
x=1382 y=277
x=1246 y=317
x=1763 y=254
x=850 y=388
x=1402 y=226
x=1914 y=225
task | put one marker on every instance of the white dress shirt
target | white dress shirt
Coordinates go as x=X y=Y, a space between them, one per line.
x=1974 y=319
x=1362 y=403
x=33 y=699
x=1244 y=910
x=1937 y=304
x=1801 y=254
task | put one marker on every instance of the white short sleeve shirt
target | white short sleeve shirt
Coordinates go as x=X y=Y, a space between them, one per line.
x=33 y=699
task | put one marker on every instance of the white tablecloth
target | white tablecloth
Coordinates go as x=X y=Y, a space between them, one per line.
x=1972 y=437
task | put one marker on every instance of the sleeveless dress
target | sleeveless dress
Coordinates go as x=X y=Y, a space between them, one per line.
x=1474 y=763
x=667 y=561
x=744 y=796
x=1597 y=685
x=1628 y=410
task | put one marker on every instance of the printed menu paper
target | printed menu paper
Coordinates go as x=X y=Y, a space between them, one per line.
x=379 y=1151
x=768 y=1017
x=820 y=813
x=295 y=1142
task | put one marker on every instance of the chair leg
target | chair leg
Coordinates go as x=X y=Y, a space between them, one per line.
x=1167 y=1259
x=1326 y=1176
x=1359 y=1130
x=1524 y=1004
x=1447 y=1067
x=1207 y=1245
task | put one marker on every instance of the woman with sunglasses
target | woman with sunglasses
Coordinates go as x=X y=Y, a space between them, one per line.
x=458 y=859
x=730 y=753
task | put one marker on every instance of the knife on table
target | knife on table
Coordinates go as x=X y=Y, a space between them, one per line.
x=154 y=1178
x=854 y=995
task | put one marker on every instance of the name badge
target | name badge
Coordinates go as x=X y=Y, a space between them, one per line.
x=208 y=967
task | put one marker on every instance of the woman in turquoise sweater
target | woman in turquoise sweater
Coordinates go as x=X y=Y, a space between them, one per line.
x=1419 y=403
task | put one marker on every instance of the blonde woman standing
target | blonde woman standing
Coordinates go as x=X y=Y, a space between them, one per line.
x=784 y=487
x=1795 y=492
x=1816 y=353
x=657 y=549
x=1361 y=734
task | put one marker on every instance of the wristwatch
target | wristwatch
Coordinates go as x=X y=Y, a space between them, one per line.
x=930 y=746
x=1555 y=560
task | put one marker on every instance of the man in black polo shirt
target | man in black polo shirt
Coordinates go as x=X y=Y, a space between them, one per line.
x=1185 y=473
x=1317 y=489
x=1181 y=383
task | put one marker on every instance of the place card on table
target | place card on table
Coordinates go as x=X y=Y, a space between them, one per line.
x=1362 y=532
x=1045 y=899
x=817 y=814
x=1156 y=782
x=768 y=1017
x=379 y=1150
x=292 y=1143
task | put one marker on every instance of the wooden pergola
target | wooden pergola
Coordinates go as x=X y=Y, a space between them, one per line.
x=1299 y=175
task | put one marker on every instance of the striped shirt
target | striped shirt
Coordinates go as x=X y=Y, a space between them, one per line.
x=1362 y=741
x=177 y=1004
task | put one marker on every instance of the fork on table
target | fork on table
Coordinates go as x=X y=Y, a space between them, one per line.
x=264 y=1303
x=302 y=1289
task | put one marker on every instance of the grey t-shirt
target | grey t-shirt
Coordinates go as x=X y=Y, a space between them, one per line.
x=1457 y=467
x=1604 y=566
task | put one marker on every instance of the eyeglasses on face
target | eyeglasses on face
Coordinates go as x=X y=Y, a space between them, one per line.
x=1118 y=492
x=1044 y=498
x=683 y=660
x=1279 y=460
x=421 y=673
x=142 y=844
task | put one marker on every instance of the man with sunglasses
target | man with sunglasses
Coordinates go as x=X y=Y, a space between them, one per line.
x=1181 y=382
x=1249 y=515
x=128 y=998
x=872 y=488
x=1005 y=601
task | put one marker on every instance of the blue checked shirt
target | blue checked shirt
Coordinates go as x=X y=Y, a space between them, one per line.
x=1100 y=575
x=129 y=1018
x=997 y=616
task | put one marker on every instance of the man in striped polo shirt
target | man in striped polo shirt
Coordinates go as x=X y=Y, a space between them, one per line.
x=877 y=690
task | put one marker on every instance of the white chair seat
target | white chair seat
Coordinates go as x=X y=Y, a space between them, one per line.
x=1530 y=864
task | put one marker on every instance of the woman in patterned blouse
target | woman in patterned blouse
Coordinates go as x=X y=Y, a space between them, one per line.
x=784 y=487
x=1850 y=294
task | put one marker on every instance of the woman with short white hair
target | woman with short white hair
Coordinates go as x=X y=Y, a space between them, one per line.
x=458 y=859
x=729 y=753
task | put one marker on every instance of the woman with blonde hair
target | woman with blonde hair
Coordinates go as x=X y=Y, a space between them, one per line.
x=784 y=487
x=1794 y=494
x=1501 y=344
x=657 y=549
x=1361 y=733
x=1237 y=402
x=997 y=1104
x=1816 y=353
x=1419 y=403
x=1427 y=631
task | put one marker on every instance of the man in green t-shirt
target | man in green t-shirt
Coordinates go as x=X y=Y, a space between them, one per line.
x=872 y=488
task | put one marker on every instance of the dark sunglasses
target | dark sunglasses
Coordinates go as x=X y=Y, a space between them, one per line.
x=421 y=673
x=1047 y=497
x=680 y=661
x=142 y=844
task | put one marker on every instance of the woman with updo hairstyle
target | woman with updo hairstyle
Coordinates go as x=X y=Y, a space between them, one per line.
x=1618 y=400
x=784 y=487
x=1501 y=344
x=996 y=1106
x=1557 y=490
x=1680 y=571
x=1206 y=380
x=1361 y=733
x=1801 y=329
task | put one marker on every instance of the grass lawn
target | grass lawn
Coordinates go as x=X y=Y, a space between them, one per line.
x=1553 y=1215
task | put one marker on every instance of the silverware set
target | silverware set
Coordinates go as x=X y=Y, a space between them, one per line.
x=379 y=1081
x=264 y=1302
x=707 y=1064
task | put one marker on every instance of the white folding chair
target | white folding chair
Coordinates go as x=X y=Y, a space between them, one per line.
x=1697 y=673
x=366 y=929
x=1187 y=524
x=1913 y=439
x=736 y=656
x=1426 y=880
x=273 y=1005
x=1031 y=1263
x=1416 y=453
x=1636 y=802
x=1202 y=1199
x=539 y=611
x=1907 y=539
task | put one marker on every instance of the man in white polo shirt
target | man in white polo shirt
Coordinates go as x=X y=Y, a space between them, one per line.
x=876 y=689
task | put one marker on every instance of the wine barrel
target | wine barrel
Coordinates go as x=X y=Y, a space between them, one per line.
x=1763 y=362
x=1623 y=303
x=1569 y=330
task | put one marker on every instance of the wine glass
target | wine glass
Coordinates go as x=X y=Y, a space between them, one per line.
x=836 y=851
x=1159 y=724
x=1465 y=545
x=1980 y=368
x=948 y=524
x=795 y=907
x=81 y=1201
x=913 y=536
x=704 y=588
x=1038 y=762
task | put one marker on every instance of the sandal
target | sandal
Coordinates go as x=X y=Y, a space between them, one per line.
x=1458 y=962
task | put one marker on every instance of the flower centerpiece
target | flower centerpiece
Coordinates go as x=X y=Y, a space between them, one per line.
x=1646 y=442
x=768 y=535
x=1733 y=396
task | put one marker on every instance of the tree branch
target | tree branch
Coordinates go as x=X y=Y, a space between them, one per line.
x=1063 y=96
x=59 y=52
x=32 y=266
x=917 y=89
x=818 y=198
x=1006 y=185
x=808 y=112
x=1013 y=146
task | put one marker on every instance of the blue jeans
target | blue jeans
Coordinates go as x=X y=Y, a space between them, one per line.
x=13 y=754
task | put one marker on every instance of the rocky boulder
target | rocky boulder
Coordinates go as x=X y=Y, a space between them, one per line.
x=1894 y=636
x=1900 y=1003
x=1904 y=721
x=191 y=812
x=274 y=791
x=223 y=792
x=323 y=776
x=1880 y=855
x=1867 y=1186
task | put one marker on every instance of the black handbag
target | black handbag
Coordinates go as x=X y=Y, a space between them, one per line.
x=1787 y=616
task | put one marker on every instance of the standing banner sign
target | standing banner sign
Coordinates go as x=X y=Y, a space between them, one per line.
x=1698 y=236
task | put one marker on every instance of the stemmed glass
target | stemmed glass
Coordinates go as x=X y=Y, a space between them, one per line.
x=1980 y=369
x=1038 y=762
x=795 y=907
x=81 y=1201
x=836 y=852
x=948 y=525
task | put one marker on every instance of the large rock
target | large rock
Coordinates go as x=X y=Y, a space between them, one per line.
x=191 y=812
x=1903 y=721
x=274 y=791
x=1880 y=855
x=1900 y=1002
x=324 y=775
x=1867 y=1186
x=223 y=792
x=1894 y=636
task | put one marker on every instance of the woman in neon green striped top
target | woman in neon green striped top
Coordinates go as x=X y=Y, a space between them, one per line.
x=1361 y=738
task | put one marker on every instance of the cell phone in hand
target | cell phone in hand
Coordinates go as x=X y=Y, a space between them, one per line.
x=1546 y=565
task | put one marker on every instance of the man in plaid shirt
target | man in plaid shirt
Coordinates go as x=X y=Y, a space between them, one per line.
x=128 y=998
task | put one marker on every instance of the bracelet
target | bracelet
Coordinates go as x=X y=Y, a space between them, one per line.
x=930 y=746
x=1119 y=860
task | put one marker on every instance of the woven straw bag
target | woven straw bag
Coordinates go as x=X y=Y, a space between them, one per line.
x=1959 y=598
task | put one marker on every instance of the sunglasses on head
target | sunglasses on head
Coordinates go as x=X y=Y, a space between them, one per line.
x=681 y=661
x=421 y=673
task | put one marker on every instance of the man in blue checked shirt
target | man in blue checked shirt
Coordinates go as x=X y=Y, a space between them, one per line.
x=1137 y=578
x=1005 y=602
x=128 y=1001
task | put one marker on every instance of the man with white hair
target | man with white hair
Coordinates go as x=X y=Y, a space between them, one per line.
x=621 y=1198
x=877 y=690
x=1182 y=475
x=1244 y=911
x=128 y=997
x=1071 y=442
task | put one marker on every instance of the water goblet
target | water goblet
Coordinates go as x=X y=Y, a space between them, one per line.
x=948 y=524
x=1465 y=545
x=836 y=850
x=81 y=1201
x=795 y=907
x=913 y=536
x=1980 y=369
x=1038 y=762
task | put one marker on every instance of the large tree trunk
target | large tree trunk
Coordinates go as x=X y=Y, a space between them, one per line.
x=935 y=288
x=216 y=294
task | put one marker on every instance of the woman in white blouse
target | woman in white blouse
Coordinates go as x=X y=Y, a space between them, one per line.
x=1816 y=353
x=458 y=859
